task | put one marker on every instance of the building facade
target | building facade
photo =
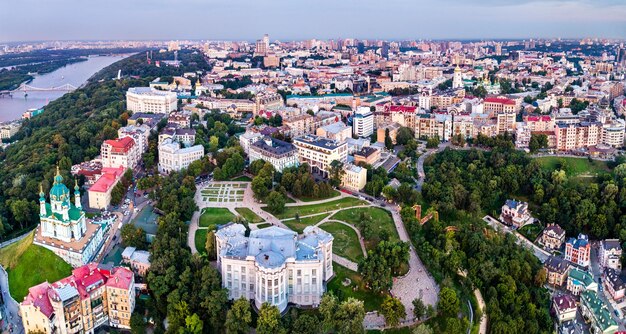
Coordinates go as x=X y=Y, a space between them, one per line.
x=319 y=152
x=578 y=250
x=274 y=265
x=277 y=152
x=122 y=152
x=63 y=228
x=363 y=122
x=93 y=296
x=146 y=99
x=172 y=157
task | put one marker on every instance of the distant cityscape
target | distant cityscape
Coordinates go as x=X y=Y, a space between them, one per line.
x=344 y=185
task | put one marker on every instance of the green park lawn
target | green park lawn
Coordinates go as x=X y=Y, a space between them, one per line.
x=298 y=226
x=311 y=209
x=574 y=166
x=215 y=216
x=335 y=193
x=249 y=215
x=371 y=300
x=29 y=265
x=381 y=219
x=200 y=240
x=346 y=242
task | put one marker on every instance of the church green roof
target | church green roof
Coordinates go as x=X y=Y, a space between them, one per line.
x=74 y=213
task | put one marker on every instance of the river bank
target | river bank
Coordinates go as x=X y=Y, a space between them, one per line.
x=75 y=74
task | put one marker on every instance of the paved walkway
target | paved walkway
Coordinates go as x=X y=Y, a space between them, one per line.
x=417 y=283
x=483 y=309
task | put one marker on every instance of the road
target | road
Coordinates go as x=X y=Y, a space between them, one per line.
x=596 y=271
x=10 y=309
x=420 y=164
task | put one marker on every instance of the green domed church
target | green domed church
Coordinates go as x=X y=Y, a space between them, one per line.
x=64 y=228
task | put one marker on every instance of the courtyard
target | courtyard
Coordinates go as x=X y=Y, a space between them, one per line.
x=223 y=192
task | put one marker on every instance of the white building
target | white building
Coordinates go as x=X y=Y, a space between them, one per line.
x=354 y=177
x=319 y=152
x=172 y=157
x=248 y=138
x=363 y=122
x=8 y=130
x=139 y=133
x=610 y=254
x=277 y=152
x=274 y=265
x=457 y=79
x=147 y=99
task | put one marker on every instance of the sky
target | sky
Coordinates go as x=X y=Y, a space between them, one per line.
x=34 y=20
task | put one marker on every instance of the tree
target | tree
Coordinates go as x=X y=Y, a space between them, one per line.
x=133 y=236
x=209 y=246
x=404 y=135
x=349 y=317
x=336 y=173
x=306 y=324
x=276 y=202
x=269 y=320
x=458 y=140
x=537 y=142
x=137 y=325
x=433 y=142
x=118 y=193
x=193 y=325
x=448 y=304
x=419 y=309
x=388 y=140
x=239 y=317
x=422 y=329
x=393 y=310
x=328 y=308
x=22 y=211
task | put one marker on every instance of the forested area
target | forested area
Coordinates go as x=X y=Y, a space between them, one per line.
x=465 y=185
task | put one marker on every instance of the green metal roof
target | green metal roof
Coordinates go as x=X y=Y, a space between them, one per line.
x=600 y=313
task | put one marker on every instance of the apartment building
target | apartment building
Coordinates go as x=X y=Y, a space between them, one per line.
x=122 y=152
x=354 y=177
x=93 y=296
x=363 y=122
x=277 y=152
x=319 y=152
x=147 y=99
x=99 y=194
x=578 y=250
x=336 y=131
x=139 y=133
x=610 y=254
x=431 y=125
x=173 y=157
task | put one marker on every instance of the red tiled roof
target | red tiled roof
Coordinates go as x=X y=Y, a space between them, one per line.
x=121 y=145
x=539 y=119
x=108 y=179
x=400 y=108
x=38 y=297
x=499 y=100
x=122 y=278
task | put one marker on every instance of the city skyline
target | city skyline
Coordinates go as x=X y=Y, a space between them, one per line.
x=36 y=20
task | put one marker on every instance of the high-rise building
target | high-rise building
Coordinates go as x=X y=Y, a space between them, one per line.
x=363 y=122
x=498 y=49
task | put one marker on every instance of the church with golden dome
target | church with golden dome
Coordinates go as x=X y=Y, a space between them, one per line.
x=64 y=228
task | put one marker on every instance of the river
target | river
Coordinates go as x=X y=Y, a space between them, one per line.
x=75 y=74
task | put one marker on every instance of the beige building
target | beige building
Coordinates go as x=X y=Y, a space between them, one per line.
x=146 y=99
x=93 y=296
x=99 y=194
x=336 y=131
x=174 y=158
x=319 y=152
x=8 y=130
x=354 y=177
x=393 y=132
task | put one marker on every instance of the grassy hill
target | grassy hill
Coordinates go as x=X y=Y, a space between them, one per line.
x=29 y=265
